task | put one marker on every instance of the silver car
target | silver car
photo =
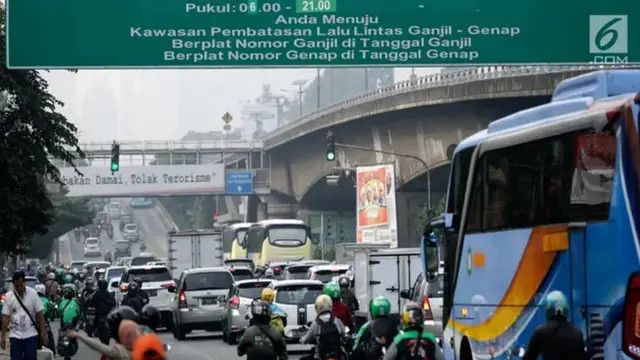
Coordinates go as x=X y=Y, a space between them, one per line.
x=238 y=307
x=196 y=305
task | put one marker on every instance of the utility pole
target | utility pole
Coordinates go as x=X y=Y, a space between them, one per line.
x=366 y=79
x=299 y=84
x=318 y=88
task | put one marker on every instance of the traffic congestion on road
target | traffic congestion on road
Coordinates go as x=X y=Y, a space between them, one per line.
x=319 y=180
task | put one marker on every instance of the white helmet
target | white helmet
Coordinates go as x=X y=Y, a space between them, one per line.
x=51 y=276
x=269 y=272
x=324 y=304
x=40 y=289
x=75 y=271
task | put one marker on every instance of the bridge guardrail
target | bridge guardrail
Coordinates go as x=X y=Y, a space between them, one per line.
x=429 y=81
x=161 y=145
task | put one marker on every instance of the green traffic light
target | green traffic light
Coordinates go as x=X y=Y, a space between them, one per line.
x=115 y=167
x=331 y=156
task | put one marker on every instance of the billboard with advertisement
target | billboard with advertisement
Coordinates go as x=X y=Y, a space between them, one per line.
x=376 y=205
x=156 y=180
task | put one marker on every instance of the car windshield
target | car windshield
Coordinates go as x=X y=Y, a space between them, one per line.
x=130 y=227
x=148 y=275
x=77 y=264
x=137 y=261
x=241 y=274
x=215 y=280
x=122 y=245
x=297 y=272
x=252 y=290
x=92 y=241
x=115 y=206
x=298 y=294
x=326 y=275
x=114 y=273
x=287 y=235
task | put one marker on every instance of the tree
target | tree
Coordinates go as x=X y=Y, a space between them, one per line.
x=32 y=133
x=68 y=214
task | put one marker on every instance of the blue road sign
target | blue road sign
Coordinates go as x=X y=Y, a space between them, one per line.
x=239 y=182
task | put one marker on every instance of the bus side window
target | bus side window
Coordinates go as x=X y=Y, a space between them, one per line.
x=592 y=176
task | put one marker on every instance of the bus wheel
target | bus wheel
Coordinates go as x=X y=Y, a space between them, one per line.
x=465 y=350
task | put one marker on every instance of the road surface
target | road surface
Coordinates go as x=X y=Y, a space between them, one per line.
x=154 y=224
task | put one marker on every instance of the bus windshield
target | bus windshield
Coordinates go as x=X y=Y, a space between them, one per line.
x=227 y=240
x=288 y=235
x=254 y=238
x=240 y=234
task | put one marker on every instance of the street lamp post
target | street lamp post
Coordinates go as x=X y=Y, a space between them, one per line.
x=424 y=163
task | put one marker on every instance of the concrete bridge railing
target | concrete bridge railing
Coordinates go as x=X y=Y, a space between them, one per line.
x=425 y=82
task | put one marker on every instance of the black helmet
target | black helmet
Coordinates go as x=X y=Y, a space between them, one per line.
x=344 y=281
x=81 y=276
x=260 y=310
x=103 y=284
x=150 y=317
x=116 y=316
x=138 y=280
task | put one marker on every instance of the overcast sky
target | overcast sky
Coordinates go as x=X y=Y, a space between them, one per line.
x=163 y=104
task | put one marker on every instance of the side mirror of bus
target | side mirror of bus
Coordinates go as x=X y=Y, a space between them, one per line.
x=452 y=221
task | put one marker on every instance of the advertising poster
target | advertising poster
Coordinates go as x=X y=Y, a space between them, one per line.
x=376 y=204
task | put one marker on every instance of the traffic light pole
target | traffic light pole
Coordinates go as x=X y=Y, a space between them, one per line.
x=424 y=163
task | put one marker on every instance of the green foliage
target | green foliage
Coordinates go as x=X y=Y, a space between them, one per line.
x=32 y=132
x=69 y=214
x=425 y=214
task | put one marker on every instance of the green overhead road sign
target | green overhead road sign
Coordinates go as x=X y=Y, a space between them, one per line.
x=298 y=33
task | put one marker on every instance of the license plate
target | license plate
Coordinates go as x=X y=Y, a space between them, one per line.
x=152 y=292
x=209 y=301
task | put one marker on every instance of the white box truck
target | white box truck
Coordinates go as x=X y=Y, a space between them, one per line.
x=384 y=272
x=191 y=249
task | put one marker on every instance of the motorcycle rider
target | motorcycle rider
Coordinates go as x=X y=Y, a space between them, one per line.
x=557 y=338
x=69 y=309
x=69 y=312
x=128 y=334
x=116 y=316
x=340 y=310
x=260 y=340
x=107 y=256
x=327 y=331
x=348 y=296
x=103 y=302
x=150 y=319
x=52 y=288
x=278 y=315
x=377 y=333
x=135 y=297
x=47 y=312
x=269 y=274
x=413 y=342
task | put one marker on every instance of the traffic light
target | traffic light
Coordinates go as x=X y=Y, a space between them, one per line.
x=331 y=146
x=115 y=157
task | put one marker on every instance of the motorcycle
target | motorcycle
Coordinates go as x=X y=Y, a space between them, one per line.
x=67 y=347
x=110 y=232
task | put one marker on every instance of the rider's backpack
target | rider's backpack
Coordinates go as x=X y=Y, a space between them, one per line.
x=329 y=338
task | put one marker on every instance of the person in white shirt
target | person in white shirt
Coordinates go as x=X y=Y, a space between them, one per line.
x=24 y=328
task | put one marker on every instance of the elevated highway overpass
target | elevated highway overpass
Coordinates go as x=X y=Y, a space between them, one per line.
x=425 y=117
